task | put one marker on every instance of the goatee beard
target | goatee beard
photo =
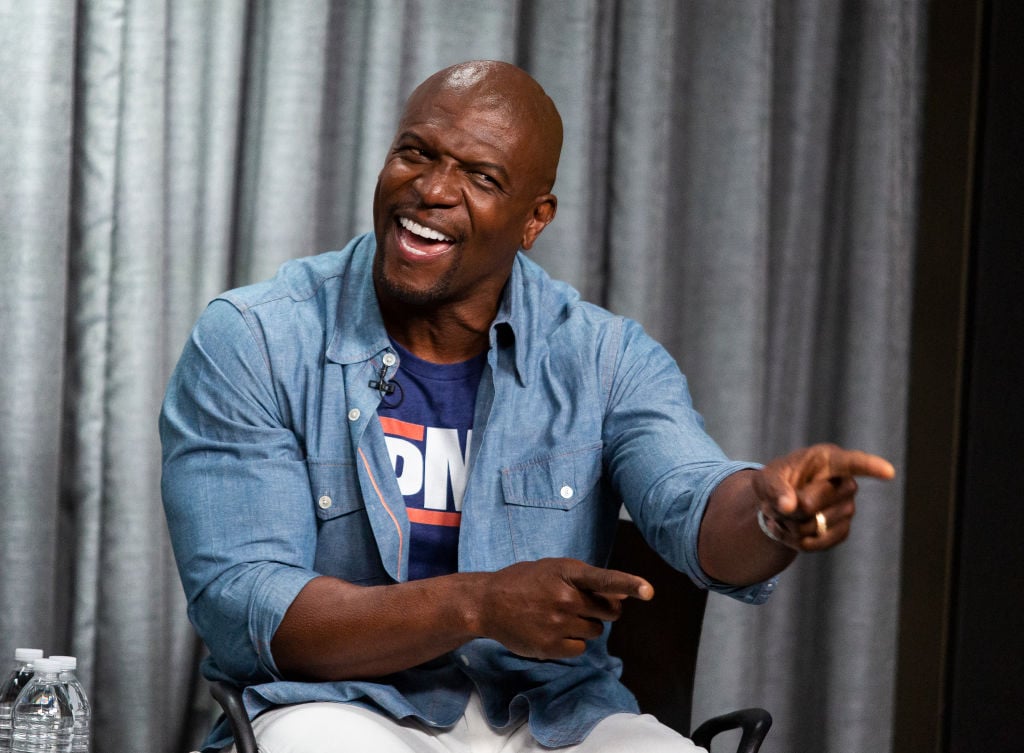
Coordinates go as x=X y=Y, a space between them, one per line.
x=389 y=288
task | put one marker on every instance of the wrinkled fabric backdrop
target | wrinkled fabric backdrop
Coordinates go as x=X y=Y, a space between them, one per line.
x=738 y=176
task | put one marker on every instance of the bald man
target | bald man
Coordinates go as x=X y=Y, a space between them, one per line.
x=393 y=472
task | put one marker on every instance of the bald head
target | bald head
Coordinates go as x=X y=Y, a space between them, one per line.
x=466 y=184
x=502 y=87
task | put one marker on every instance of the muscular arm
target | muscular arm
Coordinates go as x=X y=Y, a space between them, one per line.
x=790 y=492
x=732 y=548
x=544 y=609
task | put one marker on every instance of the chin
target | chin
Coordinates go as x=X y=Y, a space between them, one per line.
x=394 y=288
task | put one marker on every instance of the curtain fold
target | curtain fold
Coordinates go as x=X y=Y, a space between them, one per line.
x=840 y=214
x=739 y=177
x=36 y=95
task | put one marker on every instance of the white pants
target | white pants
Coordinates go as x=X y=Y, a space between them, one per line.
x=343 y=728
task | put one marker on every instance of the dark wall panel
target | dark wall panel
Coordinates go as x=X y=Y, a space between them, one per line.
x=986 y=681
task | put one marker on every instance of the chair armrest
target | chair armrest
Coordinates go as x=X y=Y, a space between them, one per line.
x=754 y=722
x=230 y=699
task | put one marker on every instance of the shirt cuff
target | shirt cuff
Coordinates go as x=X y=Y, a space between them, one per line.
x=272 y=596
x=757 y=593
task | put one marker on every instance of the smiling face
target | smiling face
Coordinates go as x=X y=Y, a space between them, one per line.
x=465 y=184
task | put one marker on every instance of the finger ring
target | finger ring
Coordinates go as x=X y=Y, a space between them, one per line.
x=819 y=518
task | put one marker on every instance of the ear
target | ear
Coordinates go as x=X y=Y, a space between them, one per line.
x=543 y=212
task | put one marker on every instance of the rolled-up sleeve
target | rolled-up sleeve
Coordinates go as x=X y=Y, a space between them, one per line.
x=662 y=462
x=236 y=493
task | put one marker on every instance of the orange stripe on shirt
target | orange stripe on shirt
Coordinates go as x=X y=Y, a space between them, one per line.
x=366 y=464
x=395 y=428
x=433 y=517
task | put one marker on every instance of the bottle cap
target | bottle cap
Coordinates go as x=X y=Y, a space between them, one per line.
x=66 y=662
x=28 y=654
x=46 y=666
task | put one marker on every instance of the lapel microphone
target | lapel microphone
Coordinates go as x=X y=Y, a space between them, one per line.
x=387 y=388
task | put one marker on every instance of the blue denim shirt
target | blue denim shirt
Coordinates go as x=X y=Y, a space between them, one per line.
x=275 y=471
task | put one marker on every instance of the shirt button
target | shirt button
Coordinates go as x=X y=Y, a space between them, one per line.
x=389 y=359
x=324 y=502
x=353 y=415
x=465 y=659
x=566 y=492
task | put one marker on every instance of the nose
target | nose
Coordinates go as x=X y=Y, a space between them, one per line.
x=437 y=185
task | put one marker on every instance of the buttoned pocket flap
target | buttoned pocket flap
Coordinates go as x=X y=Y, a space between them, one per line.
x=559 y=481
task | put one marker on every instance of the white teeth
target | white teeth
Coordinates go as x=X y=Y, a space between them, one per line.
x=423 y=232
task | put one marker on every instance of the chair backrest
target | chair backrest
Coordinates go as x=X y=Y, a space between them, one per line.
x=657 y=640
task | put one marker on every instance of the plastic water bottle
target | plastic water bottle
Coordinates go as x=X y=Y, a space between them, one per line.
x=80 y=709
x=14 y=682
x=42 y=721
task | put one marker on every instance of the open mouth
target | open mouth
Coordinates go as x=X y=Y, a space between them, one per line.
x=418 y=240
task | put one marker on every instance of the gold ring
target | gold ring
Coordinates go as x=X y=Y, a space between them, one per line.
x=819 y=518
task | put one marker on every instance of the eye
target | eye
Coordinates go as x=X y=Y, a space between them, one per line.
x=485 y=179
x=408 y=151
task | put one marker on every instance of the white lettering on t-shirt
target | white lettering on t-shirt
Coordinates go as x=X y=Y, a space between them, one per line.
x=444 y=462
x=407 y=461
x=441 y=462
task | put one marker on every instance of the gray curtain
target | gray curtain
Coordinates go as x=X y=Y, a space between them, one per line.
x=737 y=175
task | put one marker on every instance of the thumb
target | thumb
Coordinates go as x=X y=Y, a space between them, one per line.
x=775 y=489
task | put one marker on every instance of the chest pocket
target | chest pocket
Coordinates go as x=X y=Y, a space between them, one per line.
x=556 y=506
x=345 y=545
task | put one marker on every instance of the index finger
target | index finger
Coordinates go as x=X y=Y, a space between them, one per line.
x=604 y=581
x=857 y=463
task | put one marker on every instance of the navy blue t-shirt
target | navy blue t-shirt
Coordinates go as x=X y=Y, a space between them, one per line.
x=428 y=427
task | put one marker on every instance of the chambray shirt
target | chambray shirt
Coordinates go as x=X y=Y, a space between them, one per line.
x=275 y=471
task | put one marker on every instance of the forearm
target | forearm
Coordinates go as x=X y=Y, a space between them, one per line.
x=336 y=630
x=544 y=609
x=731 y=546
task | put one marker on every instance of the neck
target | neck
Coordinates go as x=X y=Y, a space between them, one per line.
x=440 y=335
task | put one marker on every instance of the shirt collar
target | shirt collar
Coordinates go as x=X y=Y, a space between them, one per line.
x=358 y=328
x=515 y=325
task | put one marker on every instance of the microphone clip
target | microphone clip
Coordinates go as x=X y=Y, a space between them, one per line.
x=382 y=385
x=386 y=388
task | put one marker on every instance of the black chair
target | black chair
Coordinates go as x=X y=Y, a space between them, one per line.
x=657 y=641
